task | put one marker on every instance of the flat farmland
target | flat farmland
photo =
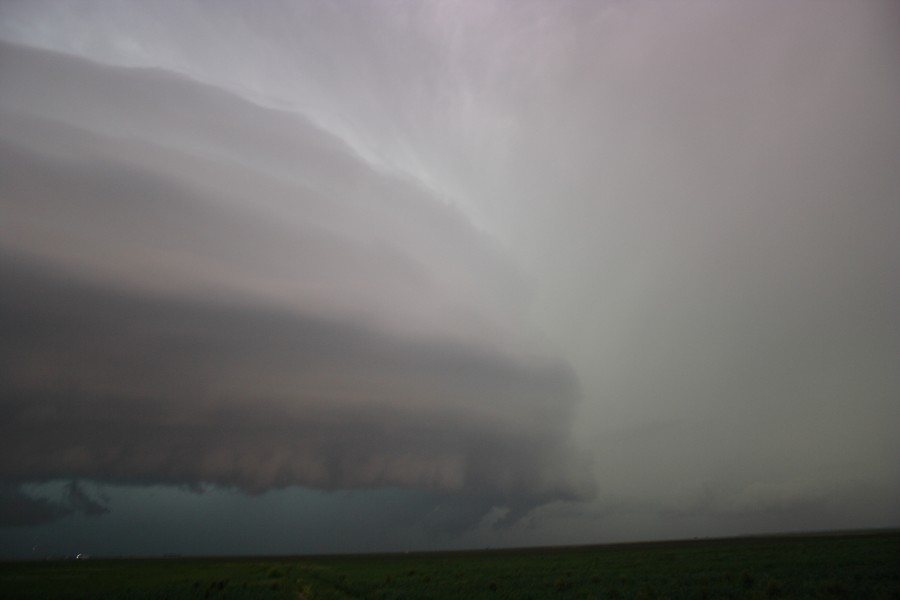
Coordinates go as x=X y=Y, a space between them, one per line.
x=860 y=565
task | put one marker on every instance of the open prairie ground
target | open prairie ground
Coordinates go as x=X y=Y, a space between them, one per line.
x=860 y=565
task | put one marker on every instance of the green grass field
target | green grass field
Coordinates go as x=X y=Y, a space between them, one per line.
x=821 y=566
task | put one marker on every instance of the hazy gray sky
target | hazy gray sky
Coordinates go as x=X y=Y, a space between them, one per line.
x=331 y=276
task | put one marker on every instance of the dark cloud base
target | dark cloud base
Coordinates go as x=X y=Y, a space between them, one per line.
x=112 y=386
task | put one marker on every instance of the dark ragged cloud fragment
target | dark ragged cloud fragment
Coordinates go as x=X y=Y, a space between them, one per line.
x=82 y=502
x=20 y=508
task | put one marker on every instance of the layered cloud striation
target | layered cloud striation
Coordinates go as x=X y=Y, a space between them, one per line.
x=200 y=290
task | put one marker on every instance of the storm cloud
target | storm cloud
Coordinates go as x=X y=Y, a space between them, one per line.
x=252 y=336
x=596 y=270
x=115 y=386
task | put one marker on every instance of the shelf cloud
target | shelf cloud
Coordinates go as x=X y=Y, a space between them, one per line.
x=536 y=272
x=188 y=318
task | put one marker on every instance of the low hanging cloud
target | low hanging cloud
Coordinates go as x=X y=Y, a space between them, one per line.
x=118 y=386
x=18 y=508
x=178 y=316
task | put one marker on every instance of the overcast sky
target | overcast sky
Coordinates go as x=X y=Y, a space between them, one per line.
x=292 y=276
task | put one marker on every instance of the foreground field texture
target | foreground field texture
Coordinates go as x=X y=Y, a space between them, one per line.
x=827 y=566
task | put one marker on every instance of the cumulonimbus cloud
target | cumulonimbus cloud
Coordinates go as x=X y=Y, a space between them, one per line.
x=178 y=310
